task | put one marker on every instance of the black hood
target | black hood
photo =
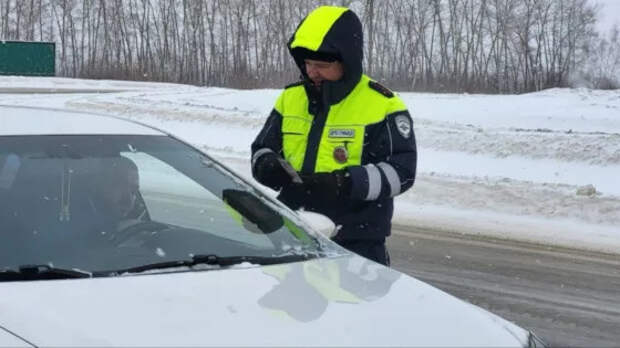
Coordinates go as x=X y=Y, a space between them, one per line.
x=335 y=31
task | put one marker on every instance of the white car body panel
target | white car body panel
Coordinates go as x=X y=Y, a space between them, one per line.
x=29 y=121
x=8 y=340
x=341 y=301
x=345 y=301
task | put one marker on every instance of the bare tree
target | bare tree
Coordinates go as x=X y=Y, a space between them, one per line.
x=503 y=46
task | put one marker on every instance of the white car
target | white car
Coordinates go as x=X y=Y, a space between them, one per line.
x=113 y=233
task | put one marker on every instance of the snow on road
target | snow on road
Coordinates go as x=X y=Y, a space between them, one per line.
x=540 y=167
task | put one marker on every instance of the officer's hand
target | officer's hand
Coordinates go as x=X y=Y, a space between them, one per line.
x=269 y=171
x=336 y=184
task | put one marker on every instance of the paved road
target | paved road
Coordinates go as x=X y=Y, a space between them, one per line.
x=569 y=298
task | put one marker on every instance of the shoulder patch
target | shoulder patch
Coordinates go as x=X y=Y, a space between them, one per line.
x=294 y=84
x=380 y=88
x=403 y=125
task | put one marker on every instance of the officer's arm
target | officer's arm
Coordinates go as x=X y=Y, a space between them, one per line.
x=269 y=140
x=391 y=161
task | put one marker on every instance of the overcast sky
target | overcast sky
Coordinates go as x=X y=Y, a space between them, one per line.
x=609 y=14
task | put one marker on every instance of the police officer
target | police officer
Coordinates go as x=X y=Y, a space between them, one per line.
x=337 y=142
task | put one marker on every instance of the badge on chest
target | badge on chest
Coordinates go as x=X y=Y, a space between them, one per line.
x=341 y=133
x=341 y=155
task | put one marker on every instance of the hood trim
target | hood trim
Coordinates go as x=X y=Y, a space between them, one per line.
x=312 y=30
x=343 y=37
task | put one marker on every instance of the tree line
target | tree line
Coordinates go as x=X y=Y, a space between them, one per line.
x=498 y=46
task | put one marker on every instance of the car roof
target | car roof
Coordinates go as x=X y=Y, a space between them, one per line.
x=19 y=120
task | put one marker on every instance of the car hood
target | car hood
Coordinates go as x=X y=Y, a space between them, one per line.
x=345 y=301
x=8 y=339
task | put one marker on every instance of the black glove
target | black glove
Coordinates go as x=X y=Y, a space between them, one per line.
x=269 y=170
x=332 y=185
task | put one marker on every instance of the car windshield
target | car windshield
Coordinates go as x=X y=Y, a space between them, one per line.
x=99 y=203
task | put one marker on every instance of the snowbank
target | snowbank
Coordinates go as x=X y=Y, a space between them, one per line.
x=540 y=167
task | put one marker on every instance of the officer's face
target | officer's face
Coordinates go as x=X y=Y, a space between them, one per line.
x=319 y=71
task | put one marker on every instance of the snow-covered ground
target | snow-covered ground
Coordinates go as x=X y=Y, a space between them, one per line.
x=541 y=167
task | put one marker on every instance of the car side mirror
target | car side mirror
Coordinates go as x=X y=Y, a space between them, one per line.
x=319 y=223
x=253 y=209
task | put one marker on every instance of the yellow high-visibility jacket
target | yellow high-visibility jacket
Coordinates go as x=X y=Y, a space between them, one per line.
x=354 y=124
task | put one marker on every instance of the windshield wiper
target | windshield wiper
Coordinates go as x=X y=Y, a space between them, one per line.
x=42 y=272
x=222 y=261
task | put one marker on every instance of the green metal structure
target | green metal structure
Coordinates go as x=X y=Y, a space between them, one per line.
x=27 y=58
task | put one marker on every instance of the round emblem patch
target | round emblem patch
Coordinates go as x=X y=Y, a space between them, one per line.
x=403 y=125
x=341 y=155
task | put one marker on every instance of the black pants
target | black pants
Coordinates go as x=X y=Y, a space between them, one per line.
x=371 y=249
